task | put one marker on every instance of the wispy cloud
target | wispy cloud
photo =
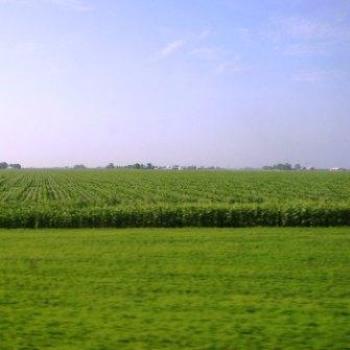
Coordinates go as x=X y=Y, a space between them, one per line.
x=20 y=48
x=172 y=47
x=307 y=49
x=196 y=49
x=76 y=5
x=27 y=48
x=315 y=76
x=221 y=61
x=204 y=34
x=303 y=28
x=232 y=67
x=307 y=29
x=307 y=36
x=206 y=53
x=177 y=45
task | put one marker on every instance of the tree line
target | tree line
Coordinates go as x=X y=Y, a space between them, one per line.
x=5 y=165
x=286 y=166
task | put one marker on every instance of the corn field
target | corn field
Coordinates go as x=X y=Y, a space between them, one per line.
x=135 y=198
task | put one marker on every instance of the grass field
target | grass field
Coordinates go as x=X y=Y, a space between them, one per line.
x=252 y=288
x=126 y=198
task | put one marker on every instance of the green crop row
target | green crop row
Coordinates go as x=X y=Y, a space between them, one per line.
x=172 y=199
x=175 y=217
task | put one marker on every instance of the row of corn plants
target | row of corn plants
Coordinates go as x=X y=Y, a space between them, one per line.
x=120 y=198
x=175 y=217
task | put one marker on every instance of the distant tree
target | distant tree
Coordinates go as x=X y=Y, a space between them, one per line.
x=150 y=166
x=3 y=165
x=110 y=166
x=285 y=166
x=191 y=167
x=79 y=166
x=15 y=166
x=297 y=167
x=280 y=166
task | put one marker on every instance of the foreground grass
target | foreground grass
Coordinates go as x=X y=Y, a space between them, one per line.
x=175 y=289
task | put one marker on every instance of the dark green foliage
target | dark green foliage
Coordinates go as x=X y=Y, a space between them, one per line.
x=3 y=165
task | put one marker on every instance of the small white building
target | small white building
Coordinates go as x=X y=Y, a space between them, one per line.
x=337 y=169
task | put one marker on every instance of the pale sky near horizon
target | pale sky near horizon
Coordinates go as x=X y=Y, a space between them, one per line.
x=206 y=82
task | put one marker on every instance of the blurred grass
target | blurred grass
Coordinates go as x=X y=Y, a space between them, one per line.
x=258 y=288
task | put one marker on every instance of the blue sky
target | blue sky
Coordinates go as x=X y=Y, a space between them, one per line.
x=208 y=82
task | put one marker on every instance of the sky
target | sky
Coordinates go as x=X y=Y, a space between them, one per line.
x=230 y=83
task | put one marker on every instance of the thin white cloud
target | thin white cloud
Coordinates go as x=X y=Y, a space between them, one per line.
x=172 y=47
x=26 y=48
x=76 y=5
x=14 y=1
x=214 y=58
x=307 y=49
x=306 y=29
x=232 y=67
x=21 y=48
x=301 y=36
x=316 y=76
x=204 y=34
x=206 y=53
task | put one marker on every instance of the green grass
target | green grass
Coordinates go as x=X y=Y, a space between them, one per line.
x=126 y=198
x=226 y=289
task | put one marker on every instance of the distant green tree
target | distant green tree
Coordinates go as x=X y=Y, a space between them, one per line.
x=15 y=166
x=79 y=166
x=3 y=165
x=279 y=166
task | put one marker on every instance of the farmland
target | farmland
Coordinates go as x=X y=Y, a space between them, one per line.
x=126 y=198
x=192 y=288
